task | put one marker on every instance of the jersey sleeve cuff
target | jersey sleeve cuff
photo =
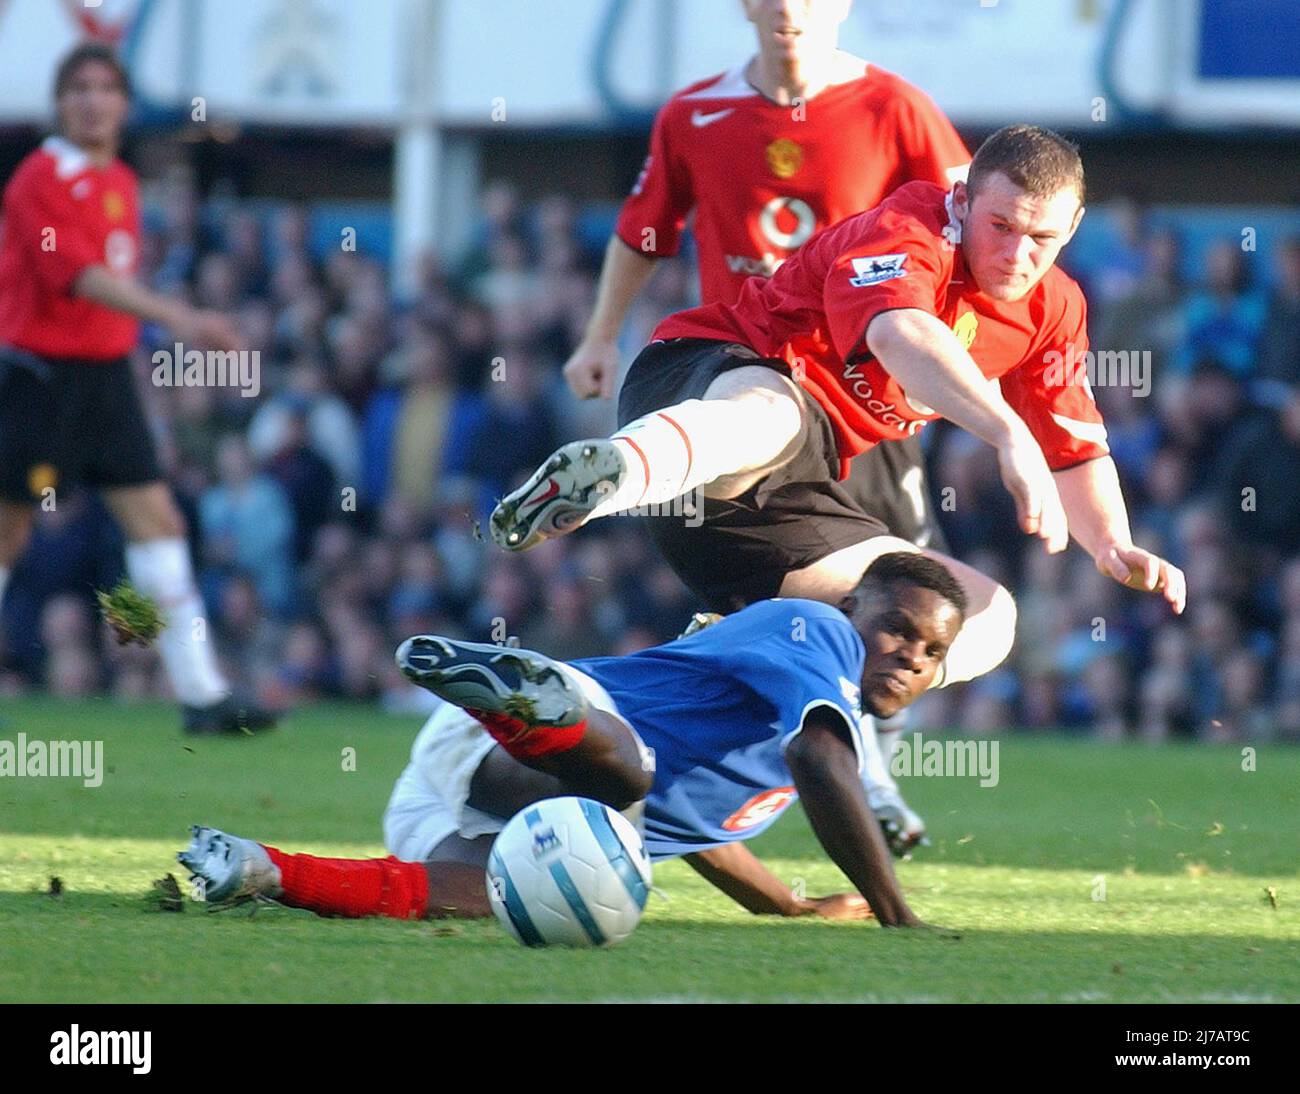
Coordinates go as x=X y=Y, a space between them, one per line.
x=1080 y=461
x=855 y=730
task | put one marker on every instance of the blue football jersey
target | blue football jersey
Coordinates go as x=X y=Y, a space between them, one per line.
x=718 y=709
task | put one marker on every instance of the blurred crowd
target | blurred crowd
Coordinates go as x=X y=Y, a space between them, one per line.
x=340 y=510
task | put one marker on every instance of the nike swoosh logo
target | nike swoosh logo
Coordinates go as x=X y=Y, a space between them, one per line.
x=700 y=119
x=552 y=488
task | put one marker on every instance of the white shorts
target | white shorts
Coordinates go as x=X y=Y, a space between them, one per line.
x=431 y=799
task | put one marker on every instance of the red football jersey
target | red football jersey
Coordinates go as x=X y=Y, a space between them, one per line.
x=813 y=313
x=61 y=215
x=763 y=177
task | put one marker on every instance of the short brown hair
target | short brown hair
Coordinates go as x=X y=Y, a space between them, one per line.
x=1035 y=159
x=84 y=54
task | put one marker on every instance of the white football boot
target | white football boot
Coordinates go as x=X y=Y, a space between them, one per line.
x=477 y=676
x=227 y=869
x=560 y=495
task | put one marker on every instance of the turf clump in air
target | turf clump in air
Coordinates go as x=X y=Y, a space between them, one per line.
x=133 y=617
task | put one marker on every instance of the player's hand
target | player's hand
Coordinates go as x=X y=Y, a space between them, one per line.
x=1139 y=569
x=1028 y=479
x=593 y=369
x=210 y=330
x=836 y=906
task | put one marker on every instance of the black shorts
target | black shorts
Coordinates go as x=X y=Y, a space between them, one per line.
x=67 y=422
x=889 y=483
x=792 y=518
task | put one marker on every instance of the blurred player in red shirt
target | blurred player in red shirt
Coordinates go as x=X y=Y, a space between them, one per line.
x=935 y=304
x=797 y=138
x=69 y=411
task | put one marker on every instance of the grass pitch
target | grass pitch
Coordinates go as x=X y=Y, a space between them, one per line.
x=1090 y=873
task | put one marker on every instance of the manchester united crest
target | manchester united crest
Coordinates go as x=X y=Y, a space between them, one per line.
x=114 y=205
x=965 y=327
x=42 y=477
x=784 y=157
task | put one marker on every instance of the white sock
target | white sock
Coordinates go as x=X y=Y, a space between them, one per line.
x=875 y=772
x=673 y=451
x=160 y=568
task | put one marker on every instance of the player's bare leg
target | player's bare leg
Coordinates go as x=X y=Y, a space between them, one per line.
x=158 y=562
x=145 y=512
x=15 y=531
x=609 y=767
x=538 y=715
x=456 y=871
x=744 y=427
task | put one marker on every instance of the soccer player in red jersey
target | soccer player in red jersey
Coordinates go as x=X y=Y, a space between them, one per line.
x=798 y=137
x=69 y=413
x=935 y=304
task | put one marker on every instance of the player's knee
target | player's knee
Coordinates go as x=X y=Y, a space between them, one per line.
x=626 y=785
x=985 y=640
x=15 y=532
x=619 y=770
x=1001 y=614
x=147 y=512
x=616 y=780
x=642 y=783
x=174 y=520
x=163 y=521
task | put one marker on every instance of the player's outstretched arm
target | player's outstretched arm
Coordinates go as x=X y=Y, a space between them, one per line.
x=1094 y=504
x=734 y=869
x=825 y=770
x=933 y=367
x=209 y=329
x=592 y=370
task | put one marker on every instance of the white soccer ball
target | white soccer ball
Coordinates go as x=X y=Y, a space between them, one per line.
x=568 y=872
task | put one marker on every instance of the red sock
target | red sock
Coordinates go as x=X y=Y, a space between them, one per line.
x=527 y=742
x=353 y=887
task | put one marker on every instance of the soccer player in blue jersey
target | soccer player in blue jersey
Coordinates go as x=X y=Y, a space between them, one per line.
x=705 y=740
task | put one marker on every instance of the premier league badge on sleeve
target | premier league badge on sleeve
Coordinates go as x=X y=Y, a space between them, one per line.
x=872 y=271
